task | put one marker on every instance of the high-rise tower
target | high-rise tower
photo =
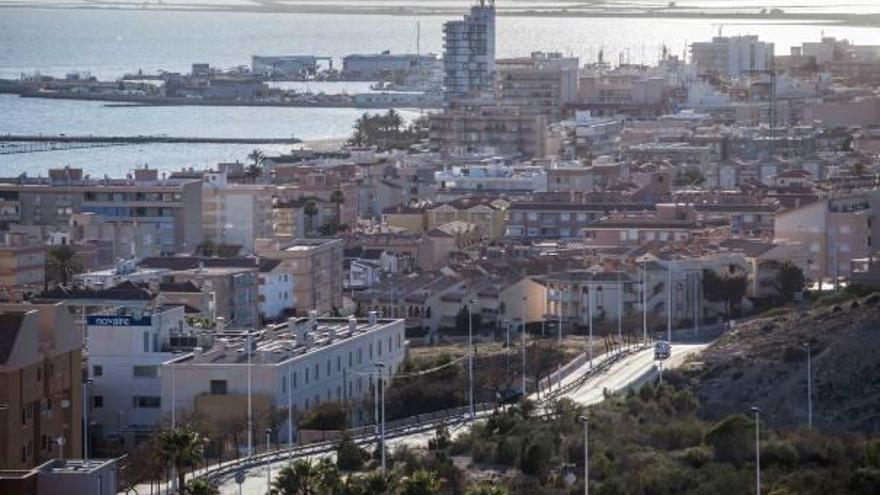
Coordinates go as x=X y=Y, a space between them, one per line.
x=469 y=53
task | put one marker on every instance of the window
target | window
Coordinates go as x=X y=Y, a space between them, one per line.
x=307 y=376
x=97 y=370
x=146 y=402
x=146 y=341
x=294 y=380
x=219 y=387
x=145 y=371
x=371 y=352
x=283 y=384
x=349 y=359
x=317 y=371
x=328 y=367
x=98 y=401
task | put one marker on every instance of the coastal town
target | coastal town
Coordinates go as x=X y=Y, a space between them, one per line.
x=547 y=237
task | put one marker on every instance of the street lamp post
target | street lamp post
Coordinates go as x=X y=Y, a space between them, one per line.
x=380 y=368
x=644 y=302
x=173 y=398
x=620 y=311
x=586 y=423
x=757 y=412
x=590 y=321
x=471 y=359
x=290 y=407
x=250 y=408
x=85 y=411
x=809 y=385
x=525 y=301
x=669 y=302
x=268 y=464
x=559 y=314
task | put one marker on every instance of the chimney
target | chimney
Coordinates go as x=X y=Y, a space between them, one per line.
x=313 y=320
x=197 y=353
x=221 y=324
x=352 y=325
x=291 y=325
x=374 y=317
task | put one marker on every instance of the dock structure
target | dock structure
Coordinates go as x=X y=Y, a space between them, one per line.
x=33 y=143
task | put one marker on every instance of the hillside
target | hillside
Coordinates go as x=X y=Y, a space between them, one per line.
x=764 y=363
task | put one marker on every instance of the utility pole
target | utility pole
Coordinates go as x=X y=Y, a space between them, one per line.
x=757 y=412
x=809 y=385
x=250 y=404
x=586 y=423
x=620 y=310
x=290 y=406
x=380 y=367
x=525 y=302
x=590 y=318
x=471 y=360
x=669 y=302
x=645 y=302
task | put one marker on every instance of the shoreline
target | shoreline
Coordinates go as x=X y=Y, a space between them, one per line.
x=871 y=20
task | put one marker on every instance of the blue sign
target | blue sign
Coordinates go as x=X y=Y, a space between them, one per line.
x=119 y=321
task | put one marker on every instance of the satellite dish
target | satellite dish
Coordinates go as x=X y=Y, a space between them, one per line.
x=65 y=404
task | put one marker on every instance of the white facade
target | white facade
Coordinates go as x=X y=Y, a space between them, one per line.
x=276 y=291
x=492 y=177
x=327 y=359
x=125 y=353
x=235 y=214
x=732 y=56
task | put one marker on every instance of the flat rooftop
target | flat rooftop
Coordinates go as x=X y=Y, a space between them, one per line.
x=276 y=344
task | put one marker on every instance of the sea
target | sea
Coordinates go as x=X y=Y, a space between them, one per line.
x=108 y=43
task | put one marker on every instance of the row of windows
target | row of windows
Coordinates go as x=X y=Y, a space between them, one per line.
x=150 y=371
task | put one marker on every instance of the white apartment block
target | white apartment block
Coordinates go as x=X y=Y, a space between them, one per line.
x=303 y=362
x=126 y=349
x=235 y=214
x=732 y=56
x=276 y=285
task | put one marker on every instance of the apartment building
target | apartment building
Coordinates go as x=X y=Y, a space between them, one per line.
x=561 y=219
x=235 y=214
x=277 y=288
x=486 y=212
x=500 y=129
x=126 y=348
x=22 y=266
x=303 y=362
x=488 y=177
x=316 y=265
x=216 y=287
x=171 y=208
x=732 y=56
x=469 y=53
x=836 y=231
x=544 y=83
x=40 y=384
x=62 y=477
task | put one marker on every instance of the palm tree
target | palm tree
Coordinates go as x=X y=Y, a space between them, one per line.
x=61 y=264
x=337 y=198
x=303 y=477
x=180 y=448
x=255 y=169
x=201 y=486
x=373 y=483
x=310 y=210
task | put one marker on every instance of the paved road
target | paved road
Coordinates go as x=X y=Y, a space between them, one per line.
x=633 y=370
